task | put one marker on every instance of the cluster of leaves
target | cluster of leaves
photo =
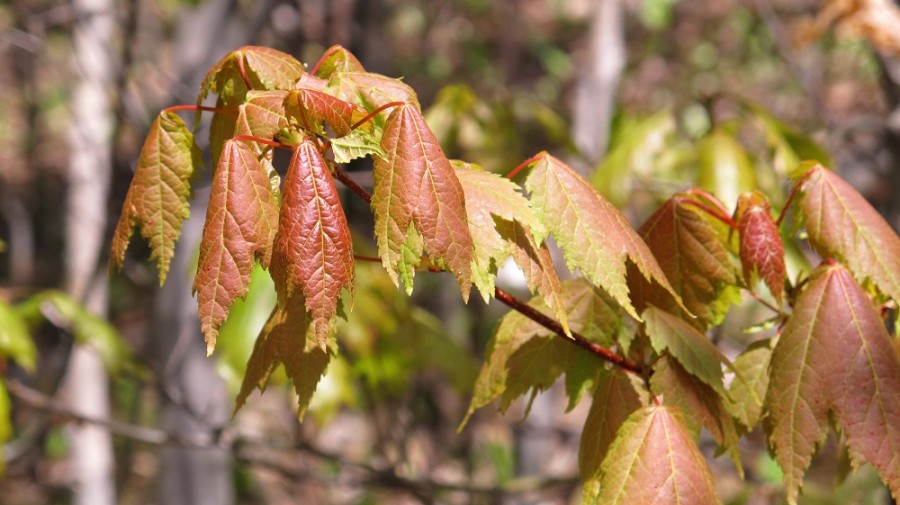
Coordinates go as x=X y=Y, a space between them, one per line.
x=630 y=330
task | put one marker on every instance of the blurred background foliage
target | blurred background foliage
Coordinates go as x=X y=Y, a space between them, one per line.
x=726 y=95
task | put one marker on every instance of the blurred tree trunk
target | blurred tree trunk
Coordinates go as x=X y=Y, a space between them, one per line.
x=86 y=383
x=595 y=93
x=891 y=84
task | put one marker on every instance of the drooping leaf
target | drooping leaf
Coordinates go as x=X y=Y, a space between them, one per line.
x=286 y=339
x=699 y=404
x=594 y=236
x=418 y=202
x=700 y=357
x=615 y=398
x=654 y=461
x=241 y=221
x=590 y=312
x=157 y=199
x=693 y=258
x=370 y=90
x=359 y=143
x=842 y=225
x=761 y=248
x=316 y=106
x=15 y=340
x=723 y=167
x=262 y=114
x=313 y=250
x=338 y=59
x=748 y=390
x=834 y=354
x=263 y=68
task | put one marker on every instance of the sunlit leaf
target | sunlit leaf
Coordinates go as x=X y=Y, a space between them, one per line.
x=694 y=259
x=761 y=248
x=723 y=167
x=594 y=236
x=842 y=225
x=285 y=339
x=418 y=202
x=370 y=90
x=338 y=59
x=359 y=143
x=835 y=355
x=700 y=357
x=157 y=199
x=264 y=68
x=241 y=221
x=313 y=249
x=654 y=461
x=748 y=391
x=262 y=115
x=316 y=106
x=15 y=340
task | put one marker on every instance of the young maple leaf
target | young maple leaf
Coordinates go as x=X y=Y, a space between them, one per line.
x=337 y=59
x=313 y=250
x=157 y=199
x=418 y=202
x=312 y=107
x=761 y=248
x=241 y=220
x=834 y=354
x=842 y=225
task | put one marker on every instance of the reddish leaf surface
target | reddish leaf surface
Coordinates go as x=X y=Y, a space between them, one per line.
x=419 y=203
x=371 y=91
x=338 y=59
x=654 y=461
x=317 y=106
x=842 y=225
x=761 y=248
x=241 y=220
x=264 y=67
x=284 y=339
x=834 y=354
x=313 y=250
x=262 y=115
x=594 y=236
x=157 y=199
x=694 y=259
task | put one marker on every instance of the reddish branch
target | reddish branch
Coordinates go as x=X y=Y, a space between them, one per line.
x=375 y=113
x=523 y=308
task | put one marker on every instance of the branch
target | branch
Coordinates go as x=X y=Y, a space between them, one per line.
x=523 y=308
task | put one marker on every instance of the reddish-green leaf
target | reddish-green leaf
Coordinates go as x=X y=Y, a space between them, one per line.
x=241 y=220
x=285 y=339
x=589 y=311
x=157 y=199
x=264 y=68
x=835 y=354
x=316 y=106
x=654 y=461
x=338 y=59
x=594 y=236
x=313 y=250
x=371 y=91
x=692 y=349
x=761 y=248
x=693 y=258
x=262 y=115
x=700 y=405
x=615 y=398
x=418 y=202
x=748 y=389
x=842 y=225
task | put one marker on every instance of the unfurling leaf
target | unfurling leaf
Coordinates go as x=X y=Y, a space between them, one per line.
x=693 y=258
x=418 y=202
x=700 y=357
x=615 y=398
x=337 y=59
x=313 y=107
x=285 y=339
x=241 y=221
x=654 y=461
x=834 y=354
x=371 y=91
x=700 y=405
x=761 y=248
x=263 y=68
x=748 y=390
x=262 y=115
x=593 y=235
x=157 y=199
x=512 y=369
x=842 y=225
x=313 y=250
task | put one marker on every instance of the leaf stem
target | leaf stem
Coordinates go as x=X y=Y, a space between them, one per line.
x=352 y=185
x=375 y=113
x=369 y=259
x=523 y=165
x=789 y=201
x=577 y=339
x=716 y=213
x=270 y=143
x=240 y=66
x=195 y=108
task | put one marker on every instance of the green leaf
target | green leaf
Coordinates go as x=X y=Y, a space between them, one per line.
x=241 y=220
x=589 y=311
x=700 y=405
x=842 y=225
x=157 y=199
x=337 y=59
x=748 y=390
x=15 y=340
x=6 y=430
x=694 y=259
x=594 y=237
x=654 y=461
x=615 y=398
x=419 y=204
x=723 y=167
x=834 y=354
x=790 y=145
x=687 y=345
x=313 y=250
x=359 y=143
x=761 y=248
x=285 y=339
